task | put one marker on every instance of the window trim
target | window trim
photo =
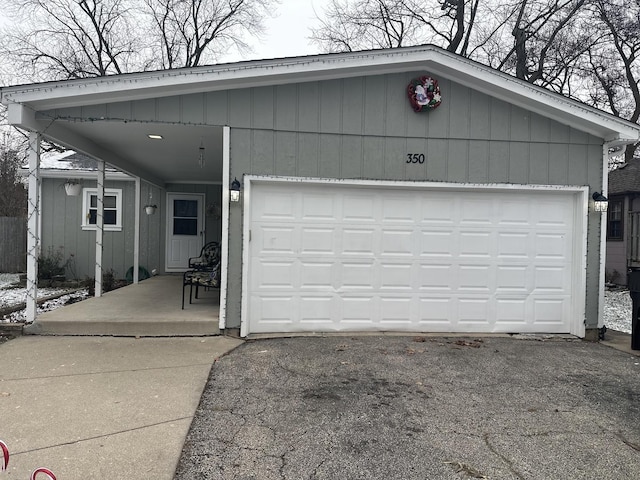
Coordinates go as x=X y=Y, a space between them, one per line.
x=610 y=210
x=86 y=196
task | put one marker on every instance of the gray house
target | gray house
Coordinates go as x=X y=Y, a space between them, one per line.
x=390 y=190
x=623 y=222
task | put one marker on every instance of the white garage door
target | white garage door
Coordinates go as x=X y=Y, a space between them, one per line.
x=337 y=257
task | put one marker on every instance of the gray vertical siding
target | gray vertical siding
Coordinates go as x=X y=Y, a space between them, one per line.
x=61 y=229
x=363 y=128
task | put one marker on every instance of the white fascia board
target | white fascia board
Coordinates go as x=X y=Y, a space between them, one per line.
x=428 y=59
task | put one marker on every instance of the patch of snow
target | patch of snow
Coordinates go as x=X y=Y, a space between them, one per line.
x=15 y=296
x=617 y=310
x=20 y=315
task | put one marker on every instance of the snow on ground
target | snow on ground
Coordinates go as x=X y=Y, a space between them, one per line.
x=11 y=296
x=617 y=306
x=617 y=310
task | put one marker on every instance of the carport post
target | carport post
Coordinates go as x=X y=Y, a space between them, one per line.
x=136 y=234
x=99 y=228
x=33 y=233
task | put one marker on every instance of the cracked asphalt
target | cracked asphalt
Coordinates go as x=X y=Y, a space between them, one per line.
x=396 y=407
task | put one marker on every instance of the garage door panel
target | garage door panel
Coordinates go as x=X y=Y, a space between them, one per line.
x=513 y=279
x=361 y=208
x=277 y=206
x=359 y=241
x=356 y=258
x=478 y=278
x=357 y=310
x=476 y=210
x=476 y=244
x=437 y=211
x=318 y=241
x=439 y=244
x=397 y=243
x=434 y=311
x=317 y=275
x=318 y=208
x=512 y=311
x=435 y=277
x=359 y=275
x=515 y=245
x=474 y=310
x=396 y=276
x=277 y=240
x=275 y=274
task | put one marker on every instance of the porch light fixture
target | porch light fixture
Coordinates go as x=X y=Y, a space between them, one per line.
x=201 y=160
x=235 y=190
x=600 y=202
x=155 y=136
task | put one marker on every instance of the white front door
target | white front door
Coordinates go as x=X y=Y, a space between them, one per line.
x=185 y=229
x=336 y=257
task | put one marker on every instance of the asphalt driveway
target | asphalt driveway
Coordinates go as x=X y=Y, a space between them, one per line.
x=417 y=408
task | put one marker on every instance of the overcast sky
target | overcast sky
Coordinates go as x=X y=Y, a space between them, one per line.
x=286 y=34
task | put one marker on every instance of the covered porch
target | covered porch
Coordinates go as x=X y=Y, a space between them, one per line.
x=151 y=308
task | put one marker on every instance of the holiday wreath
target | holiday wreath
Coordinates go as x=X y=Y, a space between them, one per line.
x=424 y=93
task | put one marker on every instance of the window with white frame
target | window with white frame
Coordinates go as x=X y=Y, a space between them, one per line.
x=112 y=209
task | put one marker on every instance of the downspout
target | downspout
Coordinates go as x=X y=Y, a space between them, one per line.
x=33 y=233
x=99 y=228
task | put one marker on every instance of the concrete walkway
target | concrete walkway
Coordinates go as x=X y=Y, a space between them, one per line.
x=101 y=407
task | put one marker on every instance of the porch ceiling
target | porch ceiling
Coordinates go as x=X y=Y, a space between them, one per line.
x=126 y=146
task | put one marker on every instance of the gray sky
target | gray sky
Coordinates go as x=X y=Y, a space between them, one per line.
x=286 y=34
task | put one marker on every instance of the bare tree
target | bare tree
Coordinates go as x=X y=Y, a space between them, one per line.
x=613 y=63
x=61 y=39
x=192 y=32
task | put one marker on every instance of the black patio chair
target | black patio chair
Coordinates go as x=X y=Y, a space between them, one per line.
x=207 y=279
x=209 y=256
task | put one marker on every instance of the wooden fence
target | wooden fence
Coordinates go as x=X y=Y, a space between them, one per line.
x=13 y=244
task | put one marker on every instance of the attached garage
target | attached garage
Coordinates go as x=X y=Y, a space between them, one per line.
x=399 y=256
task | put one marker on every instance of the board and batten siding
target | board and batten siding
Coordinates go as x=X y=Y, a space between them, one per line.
x=363 y=128
x=62 y=230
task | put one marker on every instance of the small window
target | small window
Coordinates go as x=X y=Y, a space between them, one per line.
x=614 y=220
x=112 y=209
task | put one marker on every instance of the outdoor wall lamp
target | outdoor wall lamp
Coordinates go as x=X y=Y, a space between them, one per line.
x=235 y=190
x=600 y=202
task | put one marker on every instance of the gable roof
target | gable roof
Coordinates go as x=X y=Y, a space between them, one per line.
x=625 y=179
x=437 y=61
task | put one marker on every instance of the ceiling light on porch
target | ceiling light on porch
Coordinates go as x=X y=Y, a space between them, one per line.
x=600 y=202
x=201 y=154
x=155 y=136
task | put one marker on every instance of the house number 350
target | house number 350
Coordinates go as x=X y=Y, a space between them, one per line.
x=415 y=158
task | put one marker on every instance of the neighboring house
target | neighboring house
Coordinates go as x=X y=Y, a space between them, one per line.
x=623 y=222
x=357 y=211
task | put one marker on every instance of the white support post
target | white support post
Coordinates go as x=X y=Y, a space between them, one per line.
x=603 y=234
x=222 y=314
x=99 y=229
x=33 y=235
x=136 y=234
